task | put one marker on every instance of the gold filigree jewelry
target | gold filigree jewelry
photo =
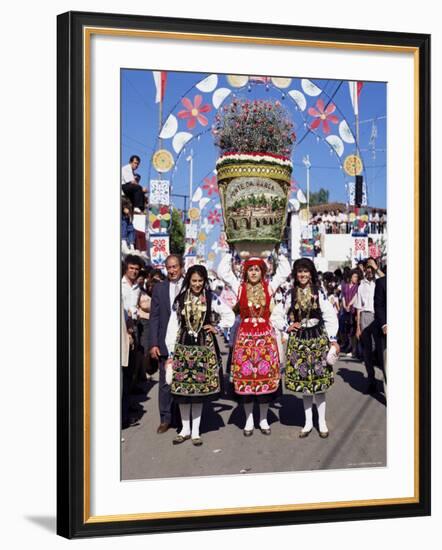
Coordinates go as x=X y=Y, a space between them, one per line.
x=194 y=313
x=304 y=300
x=256 y=300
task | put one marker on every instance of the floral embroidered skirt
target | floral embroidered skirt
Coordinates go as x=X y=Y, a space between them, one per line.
x=255 y=362
x=306 y=369
x=196 y=372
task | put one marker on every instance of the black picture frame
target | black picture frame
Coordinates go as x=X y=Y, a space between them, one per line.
x=73 y=520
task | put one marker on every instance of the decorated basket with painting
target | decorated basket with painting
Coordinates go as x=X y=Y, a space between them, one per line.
x=254 y=171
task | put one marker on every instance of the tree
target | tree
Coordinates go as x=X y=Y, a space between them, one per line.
x=177 y=233
x=319 y=197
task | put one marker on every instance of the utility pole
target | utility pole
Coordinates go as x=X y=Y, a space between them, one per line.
x=308 y=165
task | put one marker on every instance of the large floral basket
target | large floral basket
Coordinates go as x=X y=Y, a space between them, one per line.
x=254 y=190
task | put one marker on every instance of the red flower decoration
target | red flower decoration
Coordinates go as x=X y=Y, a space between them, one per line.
x=159 y=245
x=193 y=111
x=323 y=115
x=214 y=217
x=211 y=185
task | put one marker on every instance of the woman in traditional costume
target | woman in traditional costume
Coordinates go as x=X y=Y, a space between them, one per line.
x=194 y=359
x=311 y=323
x=255 y=368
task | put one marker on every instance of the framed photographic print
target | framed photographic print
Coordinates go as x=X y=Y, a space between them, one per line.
x=232 y=200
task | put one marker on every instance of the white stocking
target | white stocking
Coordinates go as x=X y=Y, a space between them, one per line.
x=320 y=405
x=308 y=402
x=263 y=409
x=196 y=419
x=248 y=409
x=185 y=418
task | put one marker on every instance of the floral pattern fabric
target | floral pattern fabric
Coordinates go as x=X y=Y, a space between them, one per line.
x=306 y=370
x=255 y=364
x=195 y=370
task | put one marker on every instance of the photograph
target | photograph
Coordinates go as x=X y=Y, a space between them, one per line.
x=254 y=245
x=233 y=198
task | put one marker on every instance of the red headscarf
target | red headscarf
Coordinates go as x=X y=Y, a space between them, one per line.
x=243 y=302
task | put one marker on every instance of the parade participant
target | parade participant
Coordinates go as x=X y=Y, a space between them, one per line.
x=312 y=324
x=255 y=370
x=163 y=297
x=194 y=356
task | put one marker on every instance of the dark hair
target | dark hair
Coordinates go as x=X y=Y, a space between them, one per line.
x=304 y=263
x=202 y=272
x=346 y=275
x=374 y=259
x=125 y=203
x=178 y=257
x=357 y=272
x=338 y=274
x=133 y=260
x=135 y=157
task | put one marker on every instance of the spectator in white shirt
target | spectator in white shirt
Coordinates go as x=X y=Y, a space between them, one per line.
x=130 y=290
x=365 y=325
x=130 y=184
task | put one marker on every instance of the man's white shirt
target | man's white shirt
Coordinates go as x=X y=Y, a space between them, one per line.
x=365 y=297
x=127 y=174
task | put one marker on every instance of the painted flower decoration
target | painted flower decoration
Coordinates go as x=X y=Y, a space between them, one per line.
x=214 y=216
x=193 y=111
x=323 y=115
x=211 y=186
x=159 y=245
x=159 y=217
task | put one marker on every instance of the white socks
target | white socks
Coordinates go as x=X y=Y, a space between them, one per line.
x=248 y=409
x=196 y=419
x=185 y=419
x=308 y=402
x=320 y=405
x=263 y=408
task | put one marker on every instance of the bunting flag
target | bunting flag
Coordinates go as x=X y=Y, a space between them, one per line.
x=160 y=78
x=355 y=91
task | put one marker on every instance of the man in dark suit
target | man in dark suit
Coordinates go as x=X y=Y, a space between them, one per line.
x=163 y=296
x=380 y=316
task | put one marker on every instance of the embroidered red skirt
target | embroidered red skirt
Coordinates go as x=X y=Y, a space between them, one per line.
x=255 y=362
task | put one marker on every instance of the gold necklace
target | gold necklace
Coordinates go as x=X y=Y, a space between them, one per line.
x=256 y=298
x=194 y=313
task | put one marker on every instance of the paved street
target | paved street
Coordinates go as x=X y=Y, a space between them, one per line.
x=356 y=422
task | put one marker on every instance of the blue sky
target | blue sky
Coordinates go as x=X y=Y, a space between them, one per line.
x=140 y=124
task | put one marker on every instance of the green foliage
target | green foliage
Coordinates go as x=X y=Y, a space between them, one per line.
x=319 y=197
x=177 y=233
